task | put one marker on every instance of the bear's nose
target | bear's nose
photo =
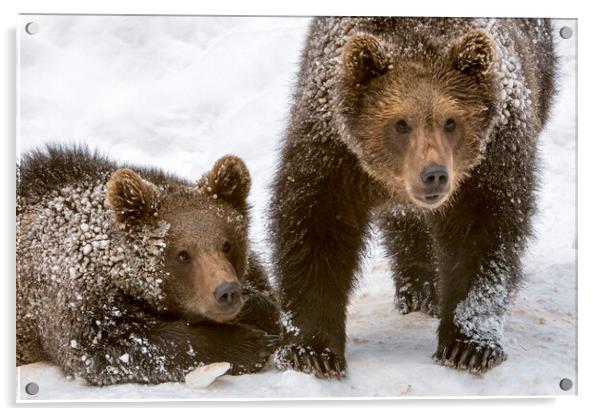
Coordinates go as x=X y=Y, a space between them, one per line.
x=228 y=294
x=434 y=177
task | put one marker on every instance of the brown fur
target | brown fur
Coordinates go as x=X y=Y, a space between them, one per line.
x=210 y=270
x=231 y=180
x=371 y=111
x=117 y=270
x=131 y=197
x=425 y=95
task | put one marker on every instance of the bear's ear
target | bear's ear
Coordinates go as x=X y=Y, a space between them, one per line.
x=364 y=58
x=230 y=180
x=473 y=54
x=131 y=198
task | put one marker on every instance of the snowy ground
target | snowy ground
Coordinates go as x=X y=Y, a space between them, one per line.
x=178 y=93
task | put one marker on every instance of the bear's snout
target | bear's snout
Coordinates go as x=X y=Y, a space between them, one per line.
x=228 y=295
x=435 y=180
x=433 y=186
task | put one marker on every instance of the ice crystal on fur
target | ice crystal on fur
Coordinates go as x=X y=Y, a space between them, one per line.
x=344 y=159
x=98 y=292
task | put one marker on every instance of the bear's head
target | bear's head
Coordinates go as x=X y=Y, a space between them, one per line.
x=417 y=117
x=197 y=237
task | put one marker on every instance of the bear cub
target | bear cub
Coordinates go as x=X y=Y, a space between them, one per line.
x=428 y=126
x=133 y=275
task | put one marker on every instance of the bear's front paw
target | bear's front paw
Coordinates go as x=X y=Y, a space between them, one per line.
x=418 y=297
x=469 y=356
x=321 y=363
x=252 y=351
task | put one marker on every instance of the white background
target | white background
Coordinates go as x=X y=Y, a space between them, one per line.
x=587 y=163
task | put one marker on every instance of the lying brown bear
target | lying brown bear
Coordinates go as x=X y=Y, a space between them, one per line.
x=135 y=275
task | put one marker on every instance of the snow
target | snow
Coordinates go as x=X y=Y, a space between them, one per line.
x=180 y=92
x=205 y=375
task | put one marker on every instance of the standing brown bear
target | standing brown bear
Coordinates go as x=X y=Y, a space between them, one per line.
x=432 y=125
x=134 y=275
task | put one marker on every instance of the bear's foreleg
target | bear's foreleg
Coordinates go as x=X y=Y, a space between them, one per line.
x=321 y=212
x=408 y=245
x=480 y=240
x=165 y=351
x=260 y=309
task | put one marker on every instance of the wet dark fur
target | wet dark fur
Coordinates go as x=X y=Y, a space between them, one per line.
x=44 y=170
x=246 y=342
x=323 y=200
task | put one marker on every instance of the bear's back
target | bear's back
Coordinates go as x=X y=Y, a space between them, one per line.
x=70 y=251
x=61 y=220
x=44 y=171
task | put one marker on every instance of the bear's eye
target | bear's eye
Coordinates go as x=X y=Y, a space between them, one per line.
x=450 y=125
x=402 y=127
x=226 y=247
x=183 y=256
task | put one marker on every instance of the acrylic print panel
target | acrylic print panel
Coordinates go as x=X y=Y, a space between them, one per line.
x=179 y=92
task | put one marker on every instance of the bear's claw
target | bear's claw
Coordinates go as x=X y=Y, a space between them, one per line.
x=470 y=356
x=253 y=351
x=324 y=364
x=272 y=341
x=424 y=300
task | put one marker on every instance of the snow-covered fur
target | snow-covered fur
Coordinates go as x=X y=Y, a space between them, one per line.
x=378 y=100
x=117 y=267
